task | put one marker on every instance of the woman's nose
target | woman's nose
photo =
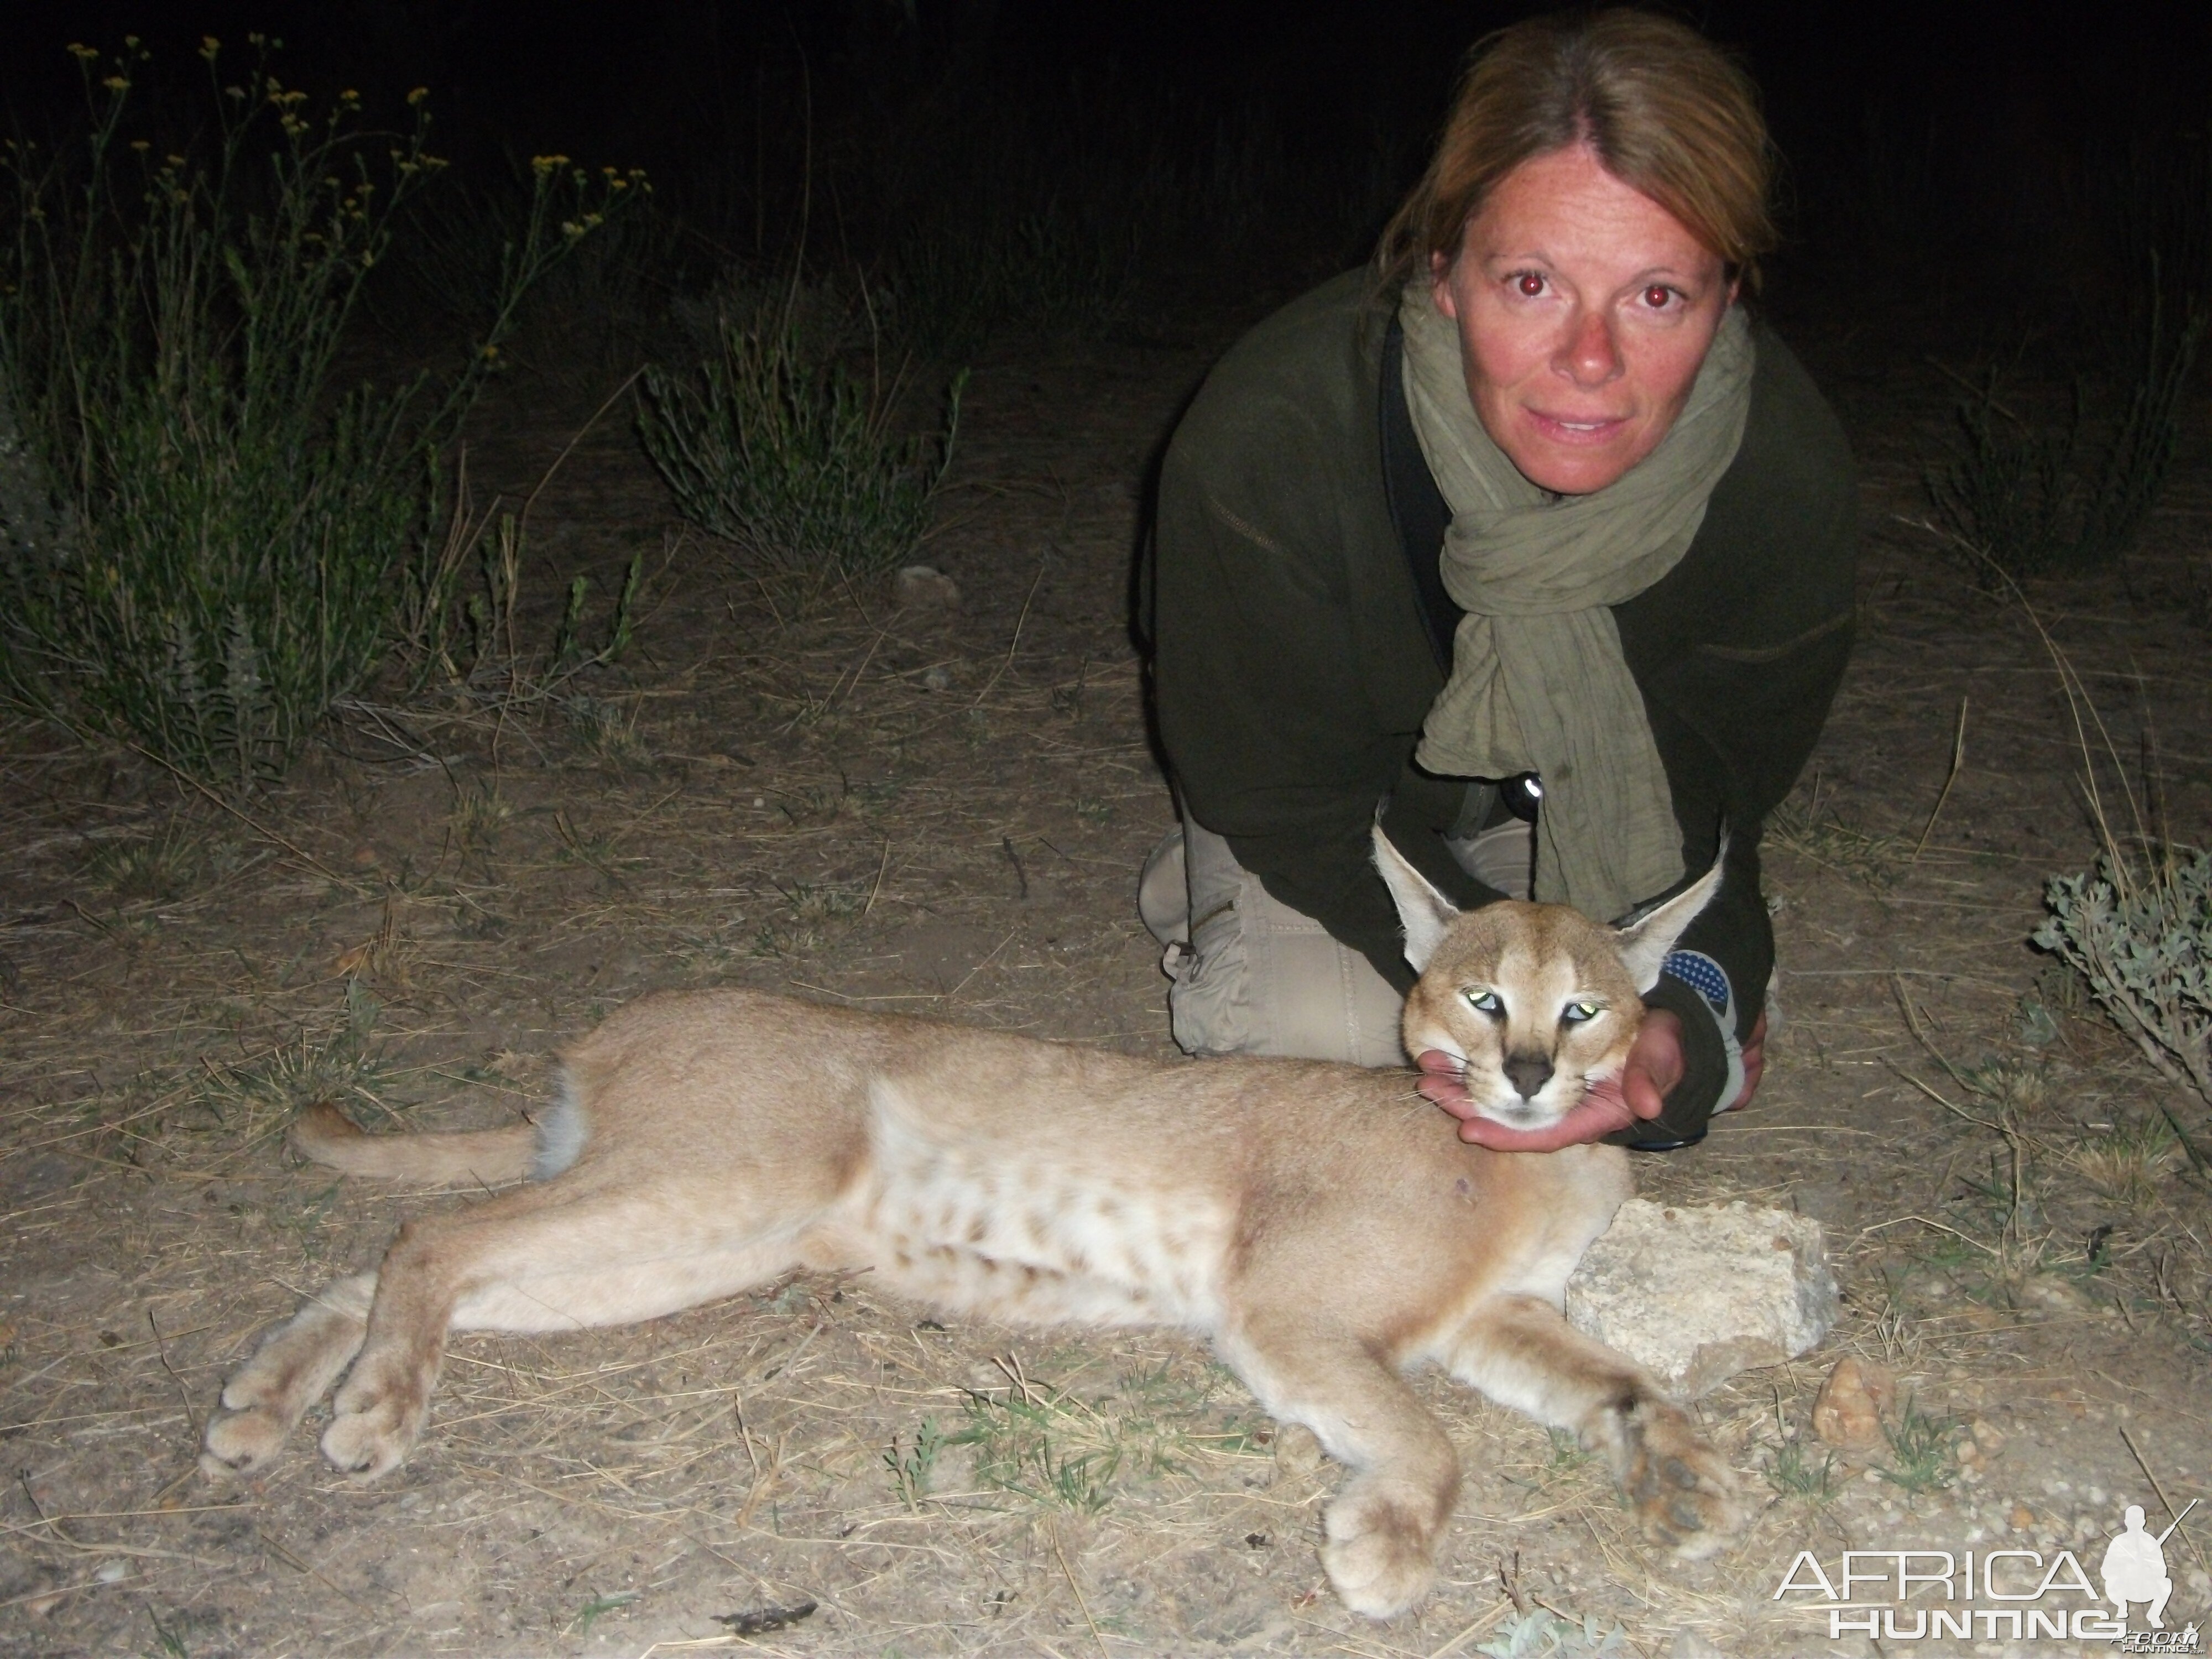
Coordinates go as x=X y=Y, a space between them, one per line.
x=1590 y=356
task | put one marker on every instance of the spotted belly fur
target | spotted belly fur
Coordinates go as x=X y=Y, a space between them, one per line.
x=1020 y=1237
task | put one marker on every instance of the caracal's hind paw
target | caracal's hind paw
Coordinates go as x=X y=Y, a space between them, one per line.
x=378 y=1414
x=1380 y=1552
x=1684 y=1493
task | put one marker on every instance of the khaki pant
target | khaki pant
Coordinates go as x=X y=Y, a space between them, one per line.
x=1252 y=976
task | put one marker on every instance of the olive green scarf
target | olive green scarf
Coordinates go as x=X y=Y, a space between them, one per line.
x=1538 y=683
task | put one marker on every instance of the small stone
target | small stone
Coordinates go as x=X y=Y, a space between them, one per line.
x=1852 y=1403
x=937 y=679
x=925 y=587
x=1696 y=1293
x=113 y=1572
x=1298 y=1452
x=2019 y=1518
x=1987 y=1436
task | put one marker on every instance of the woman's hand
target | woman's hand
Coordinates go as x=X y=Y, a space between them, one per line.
x=1654 y=1067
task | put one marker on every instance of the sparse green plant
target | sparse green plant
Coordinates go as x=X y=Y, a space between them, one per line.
x=237 y=542
x=170 y=1637
x=2011 y=1085
x=479 y=813
x=338 y=1065
x=472 y=640
x=1793 y=1474
x=606 y=729
x=598 y=1608
x=913 y=1468
x=814 y=903
x=1923 y=1451
x=794 y=456
x=593 y=847
x=1048 y=1446
x=1540 y=1633
x=1824 y=838
x=163 y=866
x=2127 y=1162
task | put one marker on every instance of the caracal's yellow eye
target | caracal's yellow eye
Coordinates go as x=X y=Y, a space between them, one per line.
x=1483 y=1001
x=1576 y=1012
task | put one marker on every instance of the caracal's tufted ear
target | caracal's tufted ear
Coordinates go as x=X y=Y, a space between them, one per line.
x=1644 y=944
x=1423 y=911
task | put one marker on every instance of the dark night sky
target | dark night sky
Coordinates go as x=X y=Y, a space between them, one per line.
x=586 y=71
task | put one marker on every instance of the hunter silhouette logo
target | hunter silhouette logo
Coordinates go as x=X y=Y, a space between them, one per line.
x=2133 y=1568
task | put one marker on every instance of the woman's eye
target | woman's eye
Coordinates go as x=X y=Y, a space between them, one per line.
x=1483 y=1002
x=1528 y=285
x=1576 y=1012
x=1659 y=296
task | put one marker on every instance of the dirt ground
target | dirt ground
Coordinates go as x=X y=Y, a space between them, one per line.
x=943 y=811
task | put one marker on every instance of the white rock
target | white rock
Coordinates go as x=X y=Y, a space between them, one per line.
x=1695 y=1294
x=925 y=587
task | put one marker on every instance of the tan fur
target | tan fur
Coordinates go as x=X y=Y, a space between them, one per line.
x=1323 y=1226
x=490 y=1158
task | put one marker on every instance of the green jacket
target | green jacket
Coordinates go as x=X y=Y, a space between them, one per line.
x=1295 y=654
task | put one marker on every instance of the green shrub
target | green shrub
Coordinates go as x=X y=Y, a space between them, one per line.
x=963 y=276
x=207 y=545
x=786 y=449
x=2142 y=939
x=2031 y=500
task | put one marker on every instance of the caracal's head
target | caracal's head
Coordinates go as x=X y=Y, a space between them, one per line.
x=1536 y=1002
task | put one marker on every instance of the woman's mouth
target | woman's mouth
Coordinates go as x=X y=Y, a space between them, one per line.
x=1584 y=430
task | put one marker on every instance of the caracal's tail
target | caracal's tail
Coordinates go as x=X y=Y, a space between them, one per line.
x=487 y=1158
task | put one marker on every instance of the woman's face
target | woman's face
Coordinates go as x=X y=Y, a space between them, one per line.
x=1584 y=310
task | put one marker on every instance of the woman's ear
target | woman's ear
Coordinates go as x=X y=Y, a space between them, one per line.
x=1440 y=272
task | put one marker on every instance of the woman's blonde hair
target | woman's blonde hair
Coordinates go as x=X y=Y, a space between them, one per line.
x=1666 y=112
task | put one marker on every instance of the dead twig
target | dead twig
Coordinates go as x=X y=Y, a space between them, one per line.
x=1958 y=760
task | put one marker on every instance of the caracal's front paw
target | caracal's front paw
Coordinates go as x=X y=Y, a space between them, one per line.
x=261 y=1405
x=239 y=1441
x=1380 y=1552
x=379 y=1412
x=1683 y=1492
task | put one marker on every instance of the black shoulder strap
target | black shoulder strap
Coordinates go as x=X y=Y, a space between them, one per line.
x=1417 y=508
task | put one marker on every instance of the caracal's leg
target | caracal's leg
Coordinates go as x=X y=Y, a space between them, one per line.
x=541 y=1259
x=293 y=1368
x=1521 y=1352
x=1383 y=1530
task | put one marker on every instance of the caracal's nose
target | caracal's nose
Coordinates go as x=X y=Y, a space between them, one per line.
x=1529 y=1072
